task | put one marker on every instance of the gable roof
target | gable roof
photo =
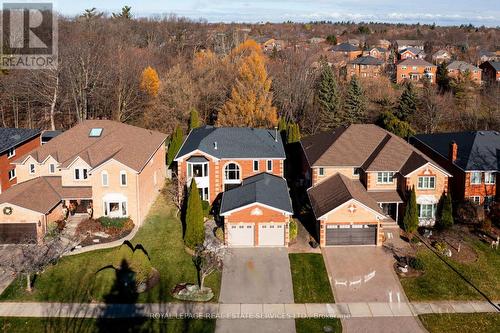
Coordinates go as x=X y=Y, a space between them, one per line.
x=413 y=42
x=130 y=145
x=264 y=188
x=476 y=150
x=413 y=50
x=337 y=190
x=345 y=47
x=11 y=137
x=415 y=62
x=367 y=60
x=462 y=66
x=233 y=142
x=441 y=53
x=27 y=194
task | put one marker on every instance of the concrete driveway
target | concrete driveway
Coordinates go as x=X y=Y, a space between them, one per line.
x=255 y=276
x=366 y=274
x=7 y=252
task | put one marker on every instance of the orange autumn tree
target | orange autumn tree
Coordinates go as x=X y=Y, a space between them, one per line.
x=150 y=82
x=250 y=103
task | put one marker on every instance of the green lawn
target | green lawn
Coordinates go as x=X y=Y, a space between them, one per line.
x=461 y=322
x=310 y=279
x=317 y=325
x=78 y=325
x=73 y=279
x=440 y=282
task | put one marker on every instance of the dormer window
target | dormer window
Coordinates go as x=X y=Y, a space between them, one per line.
x=81 y=174
x=95 y=132
x=32 y=169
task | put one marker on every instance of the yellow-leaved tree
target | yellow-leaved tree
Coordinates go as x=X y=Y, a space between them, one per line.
x=150 y=82
x=251 y=98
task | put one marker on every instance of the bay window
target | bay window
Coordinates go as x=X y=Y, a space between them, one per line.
x=426 y=211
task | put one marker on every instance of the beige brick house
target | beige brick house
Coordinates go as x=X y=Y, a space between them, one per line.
x=113 y=168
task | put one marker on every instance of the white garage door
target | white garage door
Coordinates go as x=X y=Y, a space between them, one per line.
x=271 y=234
x=240 y=234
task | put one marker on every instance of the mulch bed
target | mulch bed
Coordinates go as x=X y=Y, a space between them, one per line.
x=454 y=238
x=89 y=227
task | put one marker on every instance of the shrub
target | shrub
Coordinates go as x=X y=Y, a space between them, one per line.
x=467 y=212
x=293 y=230
x=195 y=229
x=445 y=213
x=205 y=205
x=415 y=240
x=219 y=233
x=117 y=222
x=410 y=220
x=416 y=263
x=440 y=246
x=141 y=265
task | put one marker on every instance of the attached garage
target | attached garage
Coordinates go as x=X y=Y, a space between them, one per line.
x=358 y=234
x=240 y=234
x=271 y=234
x=15 y=233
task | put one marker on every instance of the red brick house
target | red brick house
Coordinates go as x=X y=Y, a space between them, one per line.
x=364 y=67
x=232 y=168
x=14 y=142
x=473 y=159
x=414 y=70
x=459 y=68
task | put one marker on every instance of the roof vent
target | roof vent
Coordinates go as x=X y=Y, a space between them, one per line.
x=481 y=133
x=215 y=145
x=95 y=132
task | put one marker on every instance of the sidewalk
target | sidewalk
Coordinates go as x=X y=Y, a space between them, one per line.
x=238 y=311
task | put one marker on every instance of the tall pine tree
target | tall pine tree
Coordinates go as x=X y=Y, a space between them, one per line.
x=407 y=106
x=354 y=104
x=175 y=144
x=194 y=119
x=410 y=220
x=328 y=98
x=195 y=230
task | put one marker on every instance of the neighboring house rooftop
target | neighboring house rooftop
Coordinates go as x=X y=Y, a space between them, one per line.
x=462 y=66
x=11 y=137
x=264 y=188
x=337 y=190
x=49 y=135
x=97 y=141
x=411 y=42
x=27 y=194
x=345 y=47
x=494 y=64
x=413 y=50
x=367 y=60
x=363 y=145
x=415 y=62
x=476 y=150
x=234 y=142
x=486 y=53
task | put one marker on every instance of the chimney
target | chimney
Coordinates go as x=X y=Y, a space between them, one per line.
x=215 y=145
x=453 y=151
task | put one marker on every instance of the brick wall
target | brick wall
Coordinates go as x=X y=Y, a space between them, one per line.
x=5 y=165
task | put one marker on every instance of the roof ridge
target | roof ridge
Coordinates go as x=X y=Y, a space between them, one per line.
x=336 y=135
x=50 y=185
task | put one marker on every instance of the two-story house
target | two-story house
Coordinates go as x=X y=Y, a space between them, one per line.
x=241 y=171
x=360 y=177
x=364 y=67
x=457 y=69
x=441 y=56
x=113 y=168
x=414 y=70
x=473 y=158
x=411 y=53
x=14 y=142
x=377 y=52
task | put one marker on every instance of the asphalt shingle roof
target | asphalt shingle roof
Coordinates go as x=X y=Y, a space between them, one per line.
x=345 y=47
x=462 y=66
x=367 y=60
x=476 y=150
x=11 y=137
x=234 y=142
x=263 y=188
x=415 y=62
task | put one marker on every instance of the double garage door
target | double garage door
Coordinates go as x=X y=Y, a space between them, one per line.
x=351 y=234
x=15 y=233
x=243 y=234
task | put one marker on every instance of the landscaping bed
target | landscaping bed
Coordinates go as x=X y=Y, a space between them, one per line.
x=103 y=230
x=461 y=322
x=310 y=278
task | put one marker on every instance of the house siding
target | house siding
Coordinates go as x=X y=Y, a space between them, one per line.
x=6 y=166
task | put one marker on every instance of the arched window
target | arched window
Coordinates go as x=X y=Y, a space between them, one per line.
x=232 y=172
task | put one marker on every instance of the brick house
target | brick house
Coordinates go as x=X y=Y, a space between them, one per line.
x=346 y=51
x=411 y=53
x=235 y=168
x=414 y=70
x=458 y=68
x=471 y=157
x=359 y=178
x=115 y=169
x=377 y=52
x=491 y=71
x=14 y=142
x=402 y=44
x=441 y=56
x=364 y=67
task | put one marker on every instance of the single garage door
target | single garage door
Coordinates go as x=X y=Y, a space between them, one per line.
x=15 y=233
x=240 y=234
x=271 y=234
x=351 y=234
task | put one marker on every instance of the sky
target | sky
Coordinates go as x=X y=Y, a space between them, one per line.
x=441 y=12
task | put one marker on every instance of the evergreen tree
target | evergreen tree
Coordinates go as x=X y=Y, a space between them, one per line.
x=194 y=119
x=407 y=103
x=175 y=144
x=354 y=104
x=331 y=39
x=328 y=98
x=442 y=77
x=293 y=133
x=410 y=220
x=195 y=230
x=282 y=125
x=445 y=216
x=390 y=122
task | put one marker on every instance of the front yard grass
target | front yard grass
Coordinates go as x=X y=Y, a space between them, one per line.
x=310 y=279
x=440 y=282
x=73 y=278
x=77 y=325
x=317 y=325
x=461 y=322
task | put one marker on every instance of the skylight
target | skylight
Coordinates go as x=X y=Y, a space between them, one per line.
x=95 y=132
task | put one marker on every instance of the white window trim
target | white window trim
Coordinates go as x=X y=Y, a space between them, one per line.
x=104 y=173
x=480 y=178
x=80 y=174
x=473 y=199
x=14 y=174
x=189 y=165
x=32 y=172
x=231 y=181
x=491 y=176
x=253 y=165
x=267 y=165
x=321 y=172
x=11 y=152
x=389 y=176
x=123 y=172
x=423 y=187
x=433 y=215
x=50 y=170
